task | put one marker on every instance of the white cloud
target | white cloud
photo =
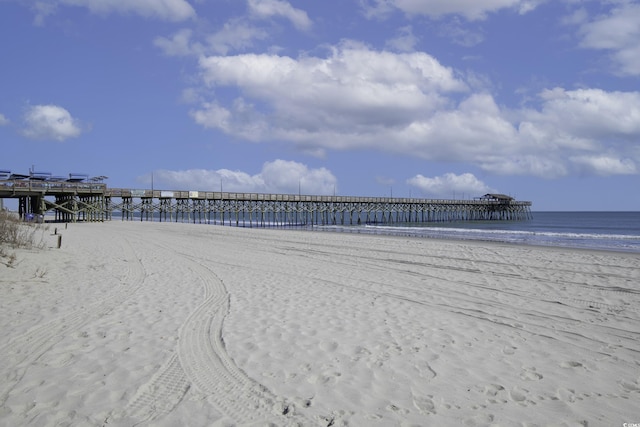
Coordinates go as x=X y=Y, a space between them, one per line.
x=279 y=176
x=577 y=17
x=241 y=120
x=585 y=131
x=213 y=116
x=620 y=27
x=591 y=113
x=349 y=63
x=474 y=129
x=235 y=35
x=206 y=180
x=3 y=120
x=449 y=183
x=50 y=122
x=540 y=164
x=42 y=10
x=179 y=44
x=617 y=32
x=405 y=41
x=605 y=165
x=289 y=177
x=269 y=8
x=470 y=9
x=352 y=90
x=166 y=10
x=461 y=34
x=357 y=98
x=378 y=9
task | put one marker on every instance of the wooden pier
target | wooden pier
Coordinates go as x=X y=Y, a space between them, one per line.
x=267 y=210
x=70 y=200
x=90 y=201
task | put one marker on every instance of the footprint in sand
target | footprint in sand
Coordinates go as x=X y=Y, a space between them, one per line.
x=566 y=395
x=509 y=350
x=329 y=378
x=530 y=374
x=518 y=395
x=62 y=360
x=424 y=404
x=359 y=353
x=304 y=367
x=493 y=389
x=479 y=420
x=425 y=370
x=397 y=409
x=571 y=364
x=328 y=346
x=629 y=385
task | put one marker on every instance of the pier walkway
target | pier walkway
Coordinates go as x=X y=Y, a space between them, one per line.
x=91 y=201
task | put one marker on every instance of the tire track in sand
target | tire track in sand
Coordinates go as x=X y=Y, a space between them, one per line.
x=27 y=348
x=201 y=361
x=206 y=363
x=160 y=395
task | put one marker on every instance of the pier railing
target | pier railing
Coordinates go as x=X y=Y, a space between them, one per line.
x=17 y=187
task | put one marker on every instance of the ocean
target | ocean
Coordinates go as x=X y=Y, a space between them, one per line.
x=612 y=231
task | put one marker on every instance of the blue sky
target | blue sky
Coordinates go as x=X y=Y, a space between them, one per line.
x=411 y=98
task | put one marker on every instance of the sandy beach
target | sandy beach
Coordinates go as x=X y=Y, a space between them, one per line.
x=156 y=324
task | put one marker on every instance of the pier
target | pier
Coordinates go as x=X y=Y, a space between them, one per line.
x=91 y=200
x=76 y=198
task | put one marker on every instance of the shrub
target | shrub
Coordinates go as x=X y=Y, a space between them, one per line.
x=17 y=234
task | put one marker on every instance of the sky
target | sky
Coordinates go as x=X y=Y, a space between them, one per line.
x=537 y=99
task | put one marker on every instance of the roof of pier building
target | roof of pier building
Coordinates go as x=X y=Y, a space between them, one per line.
x=499 y=197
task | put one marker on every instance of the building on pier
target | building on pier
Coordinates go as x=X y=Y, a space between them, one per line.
x=70 y=199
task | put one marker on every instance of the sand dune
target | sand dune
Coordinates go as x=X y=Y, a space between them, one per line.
x=156 y=324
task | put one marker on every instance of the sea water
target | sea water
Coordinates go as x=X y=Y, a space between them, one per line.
x=616 y=231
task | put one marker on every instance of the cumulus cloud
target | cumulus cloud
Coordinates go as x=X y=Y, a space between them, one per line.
x=470 y=9
x=166 y=10
x=409 y=103
x=352 y=91
x=584 y=131
x=449 y=183
x=617 y=32
x=3 y=120
x=278 y=176
x=241 y=120
x=605 y=165
x=270 y=8
x=211 y=115
x=50 y=122
x=589 y=113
